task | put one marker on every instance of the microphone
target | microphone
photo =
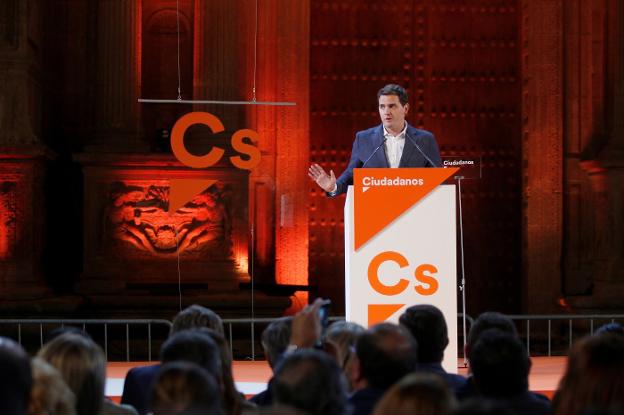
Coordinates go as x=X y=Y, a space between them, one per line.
x=419 y=149
x=373 y=153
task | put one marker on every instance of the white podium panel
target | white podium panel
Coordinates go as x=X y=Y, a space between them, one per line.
x=411 y=260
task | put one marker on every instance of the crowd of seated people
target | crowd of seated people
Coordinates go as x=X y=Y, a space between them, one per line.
x=387 y=369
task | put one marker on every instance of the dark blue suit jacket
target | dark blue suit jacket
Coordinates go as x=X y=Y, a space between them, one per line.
x=363 y=401
x=453 y=381
x=137 y=387
x=368 y=140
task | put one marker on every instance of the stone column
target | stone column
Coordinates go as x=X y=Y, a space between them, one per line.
x=542 y=32
x=22 y=154
x=283 y=75
x=117 y=68
x=605 y=167
x=224 y=68
x=221 y=53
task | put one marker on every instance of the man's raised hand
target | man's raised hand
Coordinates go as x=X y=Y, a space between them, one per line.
x=325 y=181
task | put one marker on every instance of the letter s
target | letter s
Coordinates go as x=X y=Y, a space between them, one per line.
x=373 y=273
x=251 y=150
x=423 y=274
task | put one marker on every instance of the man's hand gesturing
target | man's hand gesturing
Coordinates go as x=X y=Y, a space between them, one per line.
x=325 y=181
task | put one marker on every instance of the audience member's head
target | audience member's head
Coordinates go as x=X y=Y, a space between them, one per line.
x=500 y=365
x=193 y=346
x=426 y=323
x=15 y=378
x=82 y=365
x=275 y=339
x=486 y=321
x=417 y=393
x=233 y=401
x=50 y=395
x=385 y=353
x=594 y=377
x=615 y=328
x=184 y=388
x=343 y=335
x=281 y=410
x=58 y=331
x=311 y=381
x=480 y=406
x=195 y=317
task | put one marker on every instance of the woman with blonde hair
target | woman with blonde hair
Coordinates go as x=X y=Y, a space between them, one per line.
x=49 y=394
x=417 y=393
x=82 y=365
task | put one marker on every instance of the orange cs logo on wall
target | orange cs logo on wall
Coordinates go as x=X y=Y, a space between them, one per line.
x=183 y=190
x=374 y=188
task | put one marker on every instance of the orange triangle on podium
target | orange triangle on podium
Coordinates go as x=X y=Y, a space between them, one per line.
x=378 y=313
x=182 y=191
x=382 y=195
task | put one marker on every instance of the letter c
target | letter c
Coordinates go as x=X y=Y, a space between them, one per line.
x=373 y=273
x=177 y=140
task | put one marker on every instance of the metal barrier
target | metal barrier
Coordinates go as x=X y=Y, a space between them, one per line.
x=258 y=324
x=89 y=322
x=228 y=324
x=549 y=318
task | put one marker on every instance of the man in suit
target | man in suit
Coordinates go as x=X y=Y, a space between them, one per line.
x=427 y=324
x=394 y=143
x=139 y=380
x=384 y=354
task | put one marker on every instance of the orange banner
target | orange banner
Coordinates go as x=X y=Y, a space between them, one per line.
x=382 y=195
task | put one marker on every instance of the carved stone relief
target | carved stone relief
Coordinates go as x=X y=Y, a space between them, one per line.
x=139 y=225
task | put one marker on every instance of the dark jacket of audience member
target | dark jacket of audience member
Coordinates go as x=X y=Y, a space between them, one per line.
x=427 y=325
x=385 y=353
x=15 y=378
x=485 y=321
x=500 y=366
x=275 y=339
x=594 y=376
x=136 y=391
x=311 y=381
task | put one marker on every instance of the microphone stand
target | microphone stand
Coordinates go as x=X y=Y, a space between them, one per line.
x=462 y=285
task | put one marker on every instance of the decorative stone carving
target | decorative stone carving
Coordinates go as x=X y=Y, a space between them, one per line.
x=137 y=218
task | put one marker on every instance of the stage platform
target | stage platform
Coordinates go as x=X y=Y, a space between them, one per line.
x=251 y=377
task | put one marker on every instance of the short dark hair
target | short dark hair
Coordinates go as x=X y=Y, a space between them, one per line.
x=613 y=327
x=426 y=323
x=486 y=321
x=481 y=406
x=310 y=380
x=500 y=364
x=394 y=89
x=275 y=339
x=196 y=316
x=386 y=352
x=185 y=388
x=15 y=377
x=192 y=346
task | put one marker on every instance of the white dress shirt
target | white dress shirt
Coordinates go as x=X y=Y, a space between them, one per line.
x=394 y=146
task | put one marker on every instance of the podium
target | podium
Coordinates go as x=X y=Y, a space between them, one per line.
x=400 y=247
